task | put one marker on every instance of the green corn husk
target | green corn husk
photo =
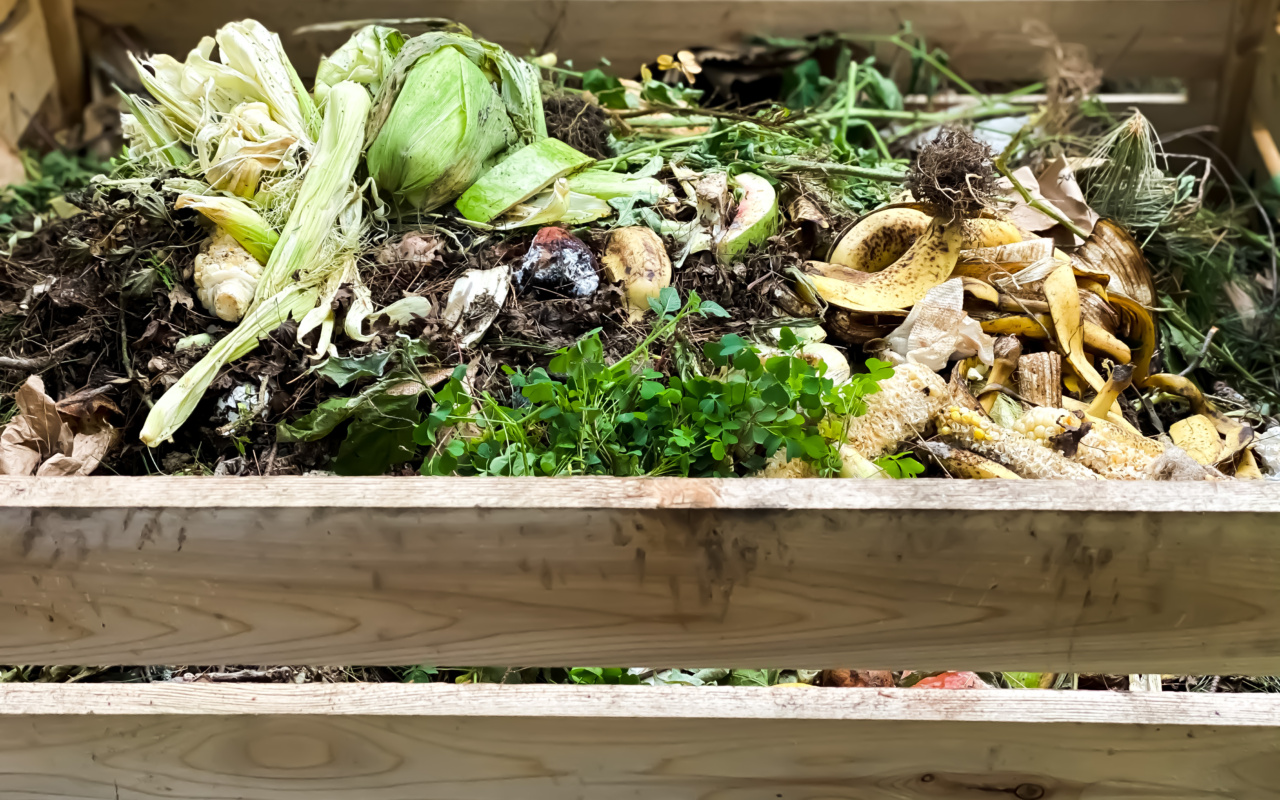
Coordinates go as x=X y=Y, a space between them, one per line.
x=317 y=244
x=324 y=196
x=237 y=218
x=438 y=122
x=151 y=135
x=519 y=176
x=365 y=58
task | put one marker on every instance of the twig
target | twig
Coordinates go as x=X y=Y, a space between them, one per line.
x=23 y=364
x=1204 y=350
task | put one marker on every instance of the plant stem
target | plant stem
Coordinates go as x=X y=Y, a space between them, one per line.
x=613 y=163
x=832 y=168
x=1039 y=205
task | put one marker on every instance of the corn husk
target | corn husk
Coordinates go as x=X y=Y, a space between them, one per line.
x=251 y=96
x=247 y=144
x=448 y=108
x=327 y=192
x=153 y=139
x=365 y=58
x=237 y=218
x=313 y=256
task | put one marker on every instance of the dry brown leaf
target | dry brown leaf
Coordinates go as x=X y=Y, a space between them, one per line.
x=35 y=433
x=857 y=678
x=88 y=405
x=1057 y=186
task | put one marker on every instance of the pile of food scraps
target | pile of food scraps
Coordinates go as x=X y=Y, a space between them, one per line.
x=443 y=258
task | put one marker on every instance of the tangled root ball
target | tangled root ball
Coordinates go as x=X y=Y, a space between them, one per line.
x=954 y=172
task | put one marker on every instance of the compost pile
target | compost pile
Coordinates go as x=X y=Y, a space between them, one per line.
x=442 y=258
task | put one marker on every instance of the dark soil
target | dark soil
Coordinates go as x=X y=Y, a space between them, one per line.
x=581 y=125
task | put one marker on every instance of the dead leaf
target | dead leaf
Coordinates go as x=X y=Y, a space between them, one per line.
x=179 y=296
x=413 y=248
x=802 y=209
x=87 y=452
x=89 y=405
x=16 y=456
x=857 y=678
x=49 y=433
x=1057 y=186
x=35 y=433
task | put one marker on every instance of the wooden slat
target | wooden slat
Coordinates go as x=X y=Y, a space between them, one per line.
x=642 y=743
x=922 y=574
x=1252 y=25
x=1161 y=38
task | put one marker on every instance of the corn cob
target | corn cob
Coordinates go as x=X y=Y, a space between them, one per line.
x=963 y=463
x=900 y=411
x=970 y=430
x=1106 y=448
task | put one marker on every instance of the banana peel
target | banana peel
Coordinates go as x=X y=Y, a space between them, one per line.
x=927 y=263
x=880 y=238
x=636 y=258
x=1038 y=326
x=1199 y=437
x=1068 y=324
x=1138 y=325
x=1235 y=435
x=1111 y=250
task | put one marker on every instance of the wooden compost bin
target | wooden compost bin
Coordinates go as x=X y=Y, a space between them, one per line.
x=923 y=574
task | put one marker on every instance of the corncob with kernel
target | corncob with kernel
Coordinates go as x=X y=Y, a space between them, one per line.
x=1106 y=448
x=971 y=430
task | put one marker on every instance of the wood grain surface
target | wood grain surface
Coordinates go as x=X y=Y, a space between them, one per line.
x=1189 y=40
x=1113 y=577
x=350 y=742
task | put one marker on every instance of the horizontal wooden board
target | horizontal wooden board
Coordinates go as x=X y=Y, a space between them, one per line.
x=351 y=742
x=922 y=574
x=985 y=39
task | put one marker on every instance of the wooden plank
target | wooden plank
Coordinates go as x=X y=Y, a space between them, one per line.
x=68 y=57
x=986 y=40
x=1252 y=24
x=923 y=574
x=351 y=742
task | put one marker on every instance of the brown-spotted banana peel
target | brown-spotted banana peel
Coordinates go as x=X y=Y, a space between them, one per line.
x=882 y=237
x=636 y=258
x=1007 y=351
x=1197 y=435
x=1236 y=436
x=927 y=263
